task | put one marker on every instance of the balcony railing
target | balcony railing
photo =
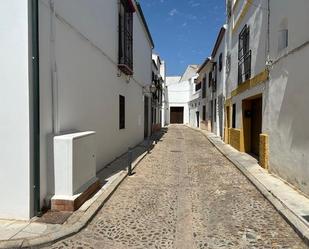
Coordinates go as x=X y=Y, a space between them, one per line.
x=244 y=67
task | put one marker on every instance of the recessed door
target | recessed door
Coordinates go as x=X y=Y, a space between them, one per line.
x=176 y=115
x=256 y=125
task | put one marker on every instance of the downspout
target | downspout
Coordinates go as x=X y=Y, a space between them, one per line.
x=268 y=33
x=35 y=104
x=54 y=76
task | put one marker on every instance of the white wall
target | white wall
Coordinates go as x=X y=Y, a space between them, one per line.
x=256 y=19
x=85 y=52
x=220 y=93
x=178 y=95
x=15 y=160
x=287 y=95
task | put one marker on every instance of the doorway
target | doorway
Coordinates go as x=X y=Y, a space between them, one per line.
x=176 y=115
x=146 y=116
x=252 y=122
x=228 y=124
x=198 y=119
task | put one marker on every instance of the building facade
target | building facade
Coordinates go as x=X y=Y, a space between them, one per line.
x=157 y=104
x=286 y=101
x=180 y=91
x=265 y=91
x=70 y=74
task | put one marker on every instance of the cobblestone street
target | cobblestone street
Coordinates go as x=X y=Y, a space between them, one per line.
x=185 y=195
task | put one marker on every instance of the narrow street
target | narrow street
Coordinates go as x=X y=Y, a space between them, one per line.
x=185 y=195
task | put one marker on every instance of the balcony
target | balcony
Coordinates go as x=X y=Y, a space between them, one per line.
x=244 y=67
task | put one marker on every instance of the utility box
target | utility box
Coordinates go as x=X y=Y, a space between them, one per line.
x=75 y=170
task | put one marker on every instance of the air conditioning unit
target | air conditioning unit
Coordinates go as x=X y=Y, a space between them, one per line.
x=74 y=170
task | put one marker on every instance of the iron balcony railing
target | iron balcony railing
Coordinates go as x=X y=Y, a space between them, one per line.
x=244 y=67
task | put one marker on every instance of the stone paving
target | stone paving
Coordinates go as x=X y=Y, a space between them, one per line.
x=185 y=194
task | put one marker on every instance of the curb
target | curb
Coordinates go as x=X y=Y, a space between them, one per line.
x=72 y=229
x=288 y=215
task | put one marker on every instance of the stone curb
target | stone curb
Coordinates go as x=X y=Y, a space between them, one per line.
x=290 y=217
x=71 y=229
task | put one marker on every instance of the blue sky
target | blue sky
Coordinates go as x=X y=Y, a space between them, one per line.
x=184 y=31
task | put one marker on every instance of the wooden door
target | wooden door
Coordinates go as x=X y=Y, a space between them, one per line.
x=176 y=115
x=256 y=125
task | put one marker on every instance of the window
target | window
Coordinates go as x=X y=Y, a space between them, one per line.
x=198 y=86
x=283 y=35
x=283 y=39
x=122 y=110
x=204 y=113
x=209 y=79
x=234 y=116
x=244 y=55
x=220 y=62
x=214 y=81
x=228 y=63
x=125 y=50
x=204 y=87
x=215 y=111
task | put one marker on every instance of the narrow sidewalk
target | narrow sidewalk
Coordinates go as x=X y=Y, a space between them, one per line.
x=35 y=233
x=291 y=204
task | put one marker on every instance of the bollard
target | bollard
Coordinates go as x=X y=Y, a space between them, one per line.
x=130 y=157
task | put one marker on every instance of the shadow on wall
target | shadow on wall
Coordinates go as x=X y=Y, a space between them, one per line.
x=259 y=40
x=295 y=103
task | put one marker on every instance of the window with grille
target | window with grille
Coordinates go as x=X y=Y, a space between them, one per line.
x=204 y=86
x=244 y=55
x=220 y=62
x=215 y=111
x=204 y=113
x=125 y=50
x=197 y=87
x=209 y=79
x=122 y=109
x=214 y=77
x=234 y=116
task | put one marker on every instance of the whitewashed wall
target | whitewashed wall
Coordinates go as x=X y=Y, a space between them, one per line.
x=287 y=94
x=85 y=53
x=178 y=96
x=220 y=94
x=256 y=18
x=15 y=162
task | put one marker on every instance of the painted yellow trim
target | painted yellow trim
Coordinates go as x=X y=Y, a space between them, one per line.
x=258 y=79
x=264 y=151
x=242 y=16
x=236 y=139
x=228 y=102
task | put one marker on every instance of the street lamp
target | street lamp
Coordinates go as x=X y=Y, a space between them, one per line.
x=152 y=88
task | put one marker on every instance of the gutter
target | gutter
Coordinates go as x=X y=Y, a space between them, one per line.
x=35 y=125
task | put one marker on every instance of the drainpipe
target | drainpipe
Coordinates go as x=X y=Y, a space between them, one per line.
x=54 y=76
x=35 y=104
x=268 y=33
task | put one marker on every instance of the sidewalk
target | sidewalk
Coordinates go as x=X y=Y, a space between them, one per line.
x=18 y=234
x=291 y=204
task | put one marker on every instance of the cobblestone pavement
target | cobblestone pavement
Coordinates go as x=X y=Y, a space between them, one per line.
x=185 y=194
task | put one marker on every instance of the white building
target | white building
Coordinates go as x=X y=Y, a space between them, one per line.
x=211 y=80
x=158 y=80
x=180 y=91
x=266 y=106
x=246 y=74
x=286 y=95
x=64 y=73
